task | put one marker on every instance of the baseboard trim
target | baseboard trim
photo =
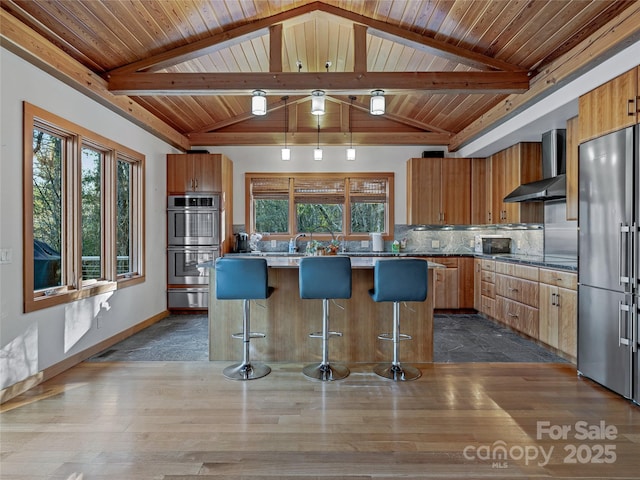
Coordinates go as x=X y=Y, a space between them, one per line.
x=22 y=386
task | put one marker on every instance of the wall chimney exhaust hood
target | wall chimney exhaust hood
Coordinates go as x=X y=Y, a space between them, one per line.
x=554 y=184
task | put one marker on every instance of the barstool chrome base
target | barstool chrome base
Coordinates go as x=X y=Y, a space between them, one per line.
x=246 y=371
x=399 y=373
x=325 y=372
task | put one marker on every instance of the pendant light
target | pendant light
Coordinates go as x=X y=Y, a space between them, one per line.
x=351 y=152
x=317 y=153
x=259 y=102
x=286 y=152
x=376 y=106
x=317 y=102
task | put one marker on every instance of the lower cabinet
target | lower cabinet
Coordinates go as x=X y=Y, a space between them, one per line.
x=558 y=311
x=445 y=288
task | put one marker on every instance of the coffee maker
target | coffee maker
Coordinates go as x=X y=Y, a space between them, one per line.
x=242 y=243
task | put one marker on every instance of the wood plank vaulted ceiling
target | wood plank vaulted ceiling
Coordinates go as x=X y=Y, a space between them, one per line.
x=192 y=64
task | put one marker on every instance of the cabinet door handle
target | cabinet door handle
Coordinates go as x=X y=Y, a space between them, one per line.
x=196 y=182
x=513 y=289
x=553 y=299
x=631 y=107
x=489 y=216
x=512 y=315
x=557 y=299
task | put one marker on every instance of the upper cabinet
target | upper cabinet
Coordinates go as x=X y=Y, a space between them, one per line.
x=439 y=191
x=481 y=191
x=572 y=168
x=610 y=107
x=510 y=168
x=192 y=172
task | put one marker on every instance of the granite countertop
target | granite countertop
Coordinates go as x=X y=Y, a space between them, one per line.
x=548 y=261
x=293 y=260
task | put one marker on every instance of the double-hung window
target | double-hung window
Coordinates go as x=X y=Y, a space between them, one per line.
x=83 y=212
x=325 y=205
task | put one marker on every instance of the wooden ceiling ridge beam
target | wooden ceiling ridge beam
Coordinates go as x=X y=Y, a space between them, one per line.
x=310 y=138
x=421 y=42
x=37 y=50
x=284 y=83
x=248 y=115
x=213 y=43
x=622 y=31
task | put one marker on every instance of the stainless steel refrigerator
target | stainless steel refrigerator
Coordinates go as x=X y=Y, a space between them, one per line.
x=609 y=261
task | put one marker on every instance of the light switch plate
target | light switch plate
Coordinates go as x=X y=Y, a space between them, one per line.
x=364 y=243
x=6 y=255
x=274 y=243
x=435 y=243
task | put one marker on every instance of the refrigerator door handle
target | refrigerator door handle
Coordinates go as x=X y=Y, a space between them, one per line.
x=634 y=328
x=622 y=308
x=624 y=229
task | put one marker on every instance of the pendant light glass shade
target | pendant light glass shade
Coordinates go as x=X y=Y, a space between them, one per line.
x=376 y=106
x=259 y=102
x=317 y=102
x=351 y=154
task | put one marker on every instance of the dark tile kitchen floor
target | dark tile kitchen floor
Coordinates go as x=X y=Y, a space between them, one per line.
x=457 y=339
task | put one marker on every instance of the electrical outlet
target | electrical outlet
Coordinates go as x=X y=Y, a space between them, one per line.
x=6 y=255
x=472 y=243
x=364 y=243
x=274 y=243
x=435 y=243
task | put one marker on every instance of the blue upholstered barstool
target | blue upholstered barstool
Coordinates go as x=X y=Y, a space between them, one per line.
x=325 y=278
x=399 y=280
x=243 y=279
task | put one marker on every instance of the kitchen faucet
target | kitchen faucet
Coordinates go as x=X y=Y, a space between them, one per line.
x=293 y=246
x=343 y=243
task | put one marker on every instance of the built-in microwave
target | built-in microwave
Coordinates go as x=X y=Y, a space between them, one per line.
x=492 y=244
x=193 y=220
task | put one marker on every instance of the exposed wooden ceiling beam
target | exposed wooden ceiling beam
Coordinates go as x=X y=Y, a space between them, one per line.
x=34 y=48
x=421 y=42
x=337 y=83
x=622 y=31
x=311 y=138
x=213 y=43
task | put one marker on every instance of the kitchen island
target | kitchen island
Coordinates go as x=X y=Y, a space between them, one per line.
x=287 y=320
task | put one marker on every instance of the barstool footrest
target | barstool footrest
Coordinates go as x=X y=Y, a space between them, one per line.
x=389 y=336
x=320 y=334
x=251 y=335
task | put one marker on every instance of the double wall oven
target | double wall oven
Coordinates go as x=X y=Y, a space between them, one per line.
x=193 y=230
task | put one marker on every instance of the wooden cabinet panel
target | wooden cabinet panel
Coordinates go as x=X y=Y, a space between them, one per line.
x=477 y=284
x=516 y=270
x=194 y=173
x=488 y=289
x=446 y=288
x=489 y=306
x=439 y=191
x=481 y=191
x=610 y=107
x=466 y=282
x=572 y=168
x=558 y=311
x=559 y=278
x=548 y=315
x=521 y=163
x=488 y=265
x=568 y=322
x=517 y=315
x=523 y=291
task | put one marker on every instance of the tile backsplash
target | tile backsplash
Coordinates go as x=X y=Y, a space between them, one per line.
x=526 y=239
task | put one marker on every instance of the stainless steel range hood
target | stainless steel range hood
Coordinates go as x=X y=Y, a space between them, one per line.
x=554 y=184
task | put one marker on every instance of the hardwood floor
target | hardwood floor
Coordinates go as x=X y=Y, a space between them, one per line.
x=183 y=420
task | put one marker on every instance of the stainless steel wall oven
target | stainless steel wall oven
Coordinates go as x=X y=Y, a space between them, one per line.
x=193 y=237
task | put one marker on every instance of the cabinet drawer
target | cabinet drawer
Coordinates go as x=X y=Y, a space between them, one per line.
x=487 y=276
x=488 y=306
x=559 y=278
x=523 y=291
x=489 y=265
x=449 y=262
x=519 y=316
x=488 y=289
x=516 y=270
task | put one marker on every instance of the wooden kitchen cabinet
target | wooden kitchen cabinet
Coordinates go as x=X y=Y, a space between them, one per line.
x=477 y=284
x=465 y=283
x=481 y=191
x=572 y=168
x=610 y=107
x=558 y=311
x=439 y=191
x=188 y=173
x=445 y=280
x=488 y=287
x=510 y=168
x=517 y=297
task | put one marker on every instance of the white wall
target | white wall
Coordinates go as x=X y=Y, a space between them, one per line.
x=368 y=159
x=35 y=341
